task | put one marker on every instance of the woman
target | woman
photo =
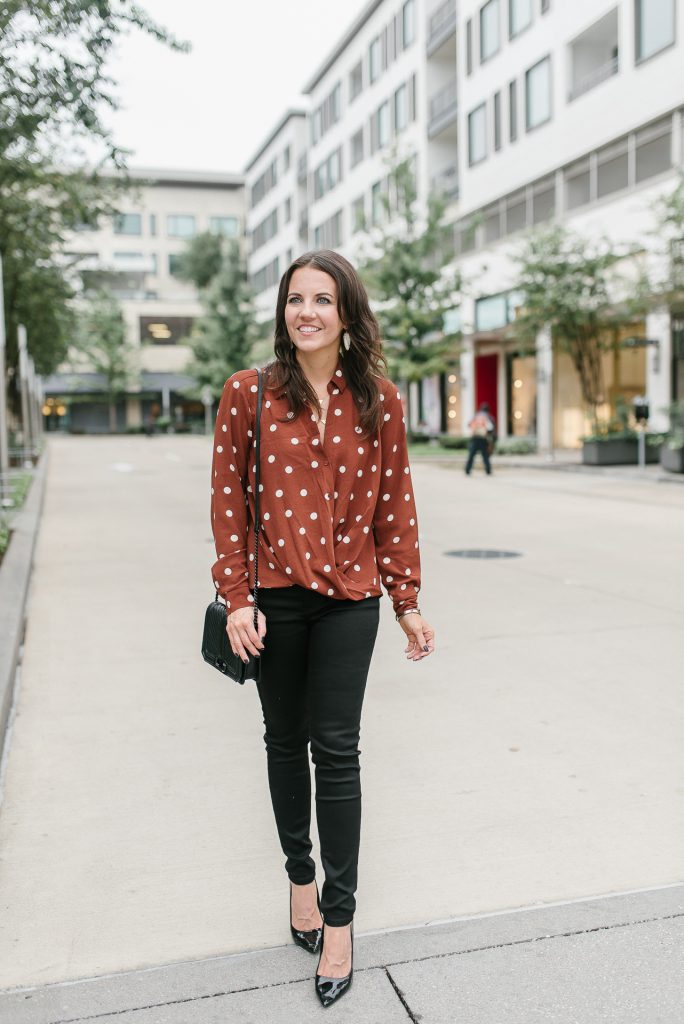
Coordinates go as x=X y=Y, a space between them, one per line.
x=337 y=516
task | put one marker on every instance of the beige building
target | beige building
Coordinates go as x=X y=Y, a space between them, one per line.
x=134 y=256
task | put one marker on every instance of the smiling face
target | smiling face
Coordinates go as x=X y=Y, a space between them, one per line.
x=311 y=317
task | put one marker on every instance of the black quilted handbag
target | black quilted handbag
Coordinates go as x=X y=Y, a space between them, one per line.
x=216 y=649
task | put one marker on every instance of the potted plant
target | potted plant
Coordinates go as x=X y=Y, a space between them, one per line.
x=672 y=451
x=616 y=443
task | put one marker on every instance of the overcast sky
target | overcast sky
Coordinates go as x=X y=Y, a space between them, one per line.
x=212 y=108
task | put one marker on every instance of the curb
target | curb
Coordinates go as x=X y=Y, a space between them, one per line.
x=15 y=575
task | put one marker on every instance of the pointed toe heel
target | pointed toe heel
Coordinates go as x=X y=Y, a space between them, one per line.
x=311 y=940
x=329 y=990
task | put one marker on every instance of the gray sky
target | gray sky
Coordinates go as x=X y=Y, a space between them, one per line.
x=211 y=109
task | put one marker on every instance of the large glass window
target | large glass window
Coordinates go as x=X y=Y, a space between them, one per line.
x=513 y=110
x=356 y=146
x=655 y=26
x=224 y=226
x=477 y=134
x=497 y=120
x=383 y=125
x=519 y=16
x=401 y=108
x=538 y=94
x=355 y=81
x=180 y=225
x=409 y=22
x=490 y=29
x=374 y=56
x=128 y=224
x=469 y=46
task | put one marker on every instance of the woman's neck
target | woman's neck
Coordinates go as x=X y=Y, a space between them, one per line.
x=318 y=367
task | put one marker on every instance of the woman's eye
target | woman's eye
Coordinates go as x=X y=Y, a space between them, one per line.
x=323 y=299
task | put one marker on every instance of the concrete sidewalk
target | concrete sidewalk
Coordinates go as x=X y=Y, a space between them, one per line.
x=613 y=960
x=536 y=758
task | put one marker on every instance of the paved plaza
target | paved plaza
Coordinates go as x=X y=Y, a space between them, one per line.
x=523 y=834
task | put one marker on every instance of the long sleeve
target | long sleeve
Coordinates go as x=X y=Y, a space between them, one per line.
x=229 y=512
x=395 y=523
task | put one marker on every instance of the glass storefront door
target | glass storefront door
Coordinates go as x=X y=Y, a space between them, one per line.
x=522 y=395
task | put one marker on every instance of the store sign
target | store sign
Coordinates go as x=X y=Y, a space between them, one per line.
x=168 y=330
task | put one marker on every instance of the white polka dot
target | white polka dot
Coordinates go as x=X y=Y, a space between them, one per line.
x=234 y=537
x=273 y=427
x=339 y=536
x=407 y=497
x=366 y=529
x=375 y=444
x=271 y=565
x=314 y=465
x=314 y=515
x=386 y=561
x=359 y=430
x=338 y=412
x=322 y=540
x=407 y=470
x=279 y=493
x=390 y=578
x=369 y=494
x=386 y=417
x=315 y=441
x=307 y=555
x=390 y=518
x=288 y=469
x=382 y=398
x=338 y=373
x=228 y=512
x=326 y=568
x=271 y=458
x=288 y=570
x=294 y=440
x=385 y=497
x=357 y=568
x=224 y=428
x=226 y=490
x=268 y=405
x=267 y=515
x=236 y=383
x=360 y=451
x=288 y=512
x=358 y=517
x=336 y=495
x=250 y=598
x=412 y=522
x=403 y=586
x=359 y=472
x=337 y=438
x=232 y=468
x=336 y=391
x=302 y=530
x=408 y=572
x=303 y=492
x=228 y=572
x=219 y=448
x=388 y=472
x=314 y=585
x=395 y=540
x=233 y=411
x=343 y=469
x=398 y=396
x=331 y=592
x=254 y=389
x=373 y=468
x=281 y=543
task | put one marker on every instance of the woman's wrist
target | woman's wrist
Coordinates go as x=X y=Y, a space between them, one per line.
x=407 y=611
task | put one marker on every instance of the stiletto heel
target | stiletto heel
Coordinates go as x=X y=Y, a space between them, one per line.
x=329 y=990
x=311 y=940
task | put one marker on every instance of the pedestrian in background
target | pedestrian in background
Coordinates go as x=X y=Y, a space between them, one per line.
x=482 y=437
x=338 y=516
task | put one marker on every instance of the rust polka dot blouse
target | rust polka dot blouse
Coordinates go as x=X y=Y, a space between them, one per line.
x=337 y=515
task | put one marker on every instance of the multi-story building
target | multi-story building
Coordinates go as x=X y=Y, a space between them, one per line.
x=275 y=184
x=522 y=112
x=133 y=256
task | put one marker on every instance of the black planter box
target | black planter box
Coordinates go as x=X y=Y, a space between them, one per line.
x=616 y=452
x=672 y=459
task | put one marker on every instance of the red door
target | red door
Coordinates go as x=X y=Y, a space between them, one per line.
x=486 y=382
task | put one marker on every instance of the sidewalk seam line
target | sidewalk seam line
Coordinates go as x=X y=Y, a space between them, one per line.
x=401 y=997
x=374 y=967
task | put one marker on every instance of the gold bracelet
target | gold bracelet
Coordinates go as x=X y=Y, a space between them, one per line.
x=409 y=611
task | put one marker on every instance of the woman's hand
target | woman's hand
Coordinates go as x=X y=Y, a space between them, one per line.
x=421 y=636
x=242 y=634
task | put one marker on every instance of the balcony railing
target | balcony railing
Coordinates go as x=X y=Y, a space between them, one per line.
x=441 y=25
x=594 y=77
x=443 y=107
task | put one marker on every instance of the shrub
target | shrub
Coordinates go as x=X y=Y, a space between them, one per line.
x=453 y=441
x=516 y=446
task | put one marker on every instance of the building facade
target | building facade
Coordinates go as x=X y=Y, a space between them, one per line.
x=133 y=256
x=522 y=113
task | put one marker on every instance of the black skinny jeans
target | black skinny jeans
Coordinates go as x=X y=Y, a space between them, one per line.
x=314 y=666
x=481 y=445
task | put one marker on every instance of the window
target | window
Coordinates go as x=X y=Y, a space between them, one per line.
x=287 y=211
x=519 y=16
x=612 y=169
x=655 y=26
x=153 y=224
x=264 y=183
x=490 y=36
x=412 y=98
x=328 y=235
x=174 y=263
x=356 y=148
x=128 y=224
x=538 y=94
x=288 y=257
x=355 y=81
x=401 y=112
x=654 y=149
x=383 y=124
x=469 y=46
x=265 y=230
x=491 y=223
x=408 y=14
x=335 y=104
x=377 y=207
x=359 y=215
x=543 y=200
x=545 y=6
x=180 y=225
x=287 y=158
x=267 y=277
x=577 y=184
x=512 y=110
x=497 y=121
x=227 y=226
x=516 y=211
x=374 y=60
x=477 y=135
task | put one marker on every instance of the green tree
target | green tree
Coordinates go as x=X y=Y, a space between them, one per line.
x=409 y=282
x=54 y=92
x=202 y=259
x=568 y=284
x=223 y=337
x=667 y=281
x=100 y=342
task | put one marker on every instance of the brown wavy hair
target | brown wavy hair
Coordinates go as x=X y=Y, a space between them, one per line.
x=363 y=363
